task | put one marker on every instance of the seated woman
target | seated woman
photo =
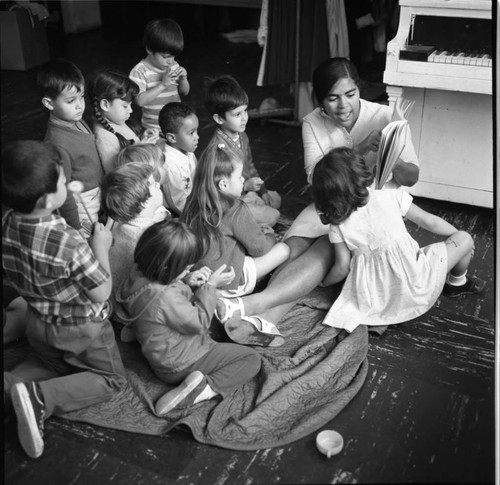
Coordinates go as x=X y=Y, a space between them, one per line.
x=341 y=119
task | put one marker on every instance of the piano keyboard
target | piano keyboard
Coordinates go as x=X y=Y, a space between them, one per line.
x=463 y=58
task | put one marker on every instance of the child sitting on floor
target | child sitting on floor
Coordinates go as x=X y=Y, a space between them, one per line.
x=111 y=95
x=390 y=279
x=133 y=199
x=66 y=284
x=171 y=316
x=158 y=75
x=62 y=88
x=149 y=154
x=227 y=103
x=179 y=126
x=230 y=234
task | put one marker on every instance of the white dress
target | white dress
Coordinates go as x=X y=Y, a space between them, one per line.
x=391 y=279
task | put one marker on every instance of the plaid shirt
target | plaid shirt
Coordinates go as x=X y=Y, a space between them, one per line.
x=51 y=265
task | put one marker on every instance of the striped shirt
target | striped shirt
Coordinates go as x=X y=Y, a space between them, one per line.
x=51 y=265
x=147 y=76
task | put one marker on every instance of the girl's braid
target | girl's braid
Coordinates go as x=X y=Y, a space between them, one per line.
x=105 y=123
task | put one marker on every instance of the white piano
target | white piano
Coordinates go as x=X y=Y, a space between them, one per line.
x=441 y=59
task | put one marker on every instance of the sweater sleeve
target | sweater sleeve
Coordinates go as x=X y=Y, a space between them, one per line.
x=187 y=315
x=68 y=210
x=248 y=233
x=250 y=170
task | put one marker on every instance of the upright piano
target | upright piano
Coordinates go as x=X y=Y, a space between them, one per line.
x=441 y=58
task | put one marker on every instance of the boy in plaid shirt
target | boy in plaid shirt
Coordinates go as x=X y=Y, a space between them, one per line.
x=66 y=282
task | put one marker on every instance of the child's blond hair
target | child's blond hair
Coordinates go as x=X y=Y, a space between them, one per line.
x=147 y=153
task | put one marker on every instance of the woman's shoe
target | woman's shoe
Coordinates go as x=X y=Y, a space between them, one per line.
x=253 y=330
x=230 y=308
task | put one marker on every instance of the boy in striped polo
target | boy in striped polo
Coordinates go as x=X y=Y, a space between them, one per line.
x=160 y=78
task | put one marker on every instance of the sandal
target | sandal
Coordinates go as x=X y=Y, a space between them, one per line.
x=231 y=308
x=245 y=330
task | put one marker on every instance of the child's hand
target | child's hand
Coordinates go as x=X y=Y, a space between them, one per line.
x=266 y=229
x=268 y=200
x=179 y=74
x=169 y=78
x=253 y=184
x=102 y=237
x=199 y=277
x=220 y=277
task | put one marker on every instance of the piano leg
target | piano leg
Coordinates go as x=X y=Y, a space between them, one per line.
x=393 y=93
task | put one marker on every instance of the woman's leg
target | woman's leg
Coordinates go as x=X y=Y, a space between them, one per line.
x=306 y=267
x=277 y=255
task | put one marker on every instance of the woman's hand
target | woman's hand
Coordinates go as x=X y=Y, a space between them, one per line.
x=370 y=143
x=220 y=277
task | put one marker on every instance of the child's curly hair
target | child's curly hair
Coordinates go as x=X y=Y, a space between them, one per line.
x=340 y=185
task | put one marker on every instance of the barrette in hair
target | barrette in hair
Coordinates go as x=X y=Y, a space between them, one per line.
x=221 y=146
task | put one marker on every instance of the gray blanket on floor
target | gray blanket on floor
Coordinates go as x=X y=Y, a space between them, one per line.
x=302 y=386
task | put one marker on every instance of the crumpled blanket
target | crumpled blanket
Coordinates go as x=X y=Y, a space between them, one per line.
x=302 y=386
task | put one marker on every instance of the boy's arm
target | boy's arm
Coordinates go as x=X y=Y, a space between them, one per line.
x=100 y=242
x=68 y=210
x=430 y=222
x=149 y=96
x=146 y=96
x=183 y=83
x=250 y=170
x=340 y=269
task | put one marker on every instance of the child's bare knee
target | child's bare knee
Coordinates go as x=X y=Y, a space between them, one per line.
x=462 y=241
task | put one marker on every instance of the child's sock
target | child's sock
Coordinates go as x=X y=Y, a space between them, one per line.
x=205 y=395
x=456 y=280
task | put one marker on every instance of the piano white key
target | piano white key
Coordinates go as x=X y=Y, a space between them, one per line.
x=483 y=61
x=473 y=59
x=458 y=58
x=449 y=58
x=441 y=57
x=432 y=56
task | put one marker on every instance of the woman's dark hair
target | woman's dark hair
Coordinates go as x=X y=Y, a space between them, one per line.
x=329 y=72
x=165 y=249
x=340 y=185
x=110 y=85
x=164 y=35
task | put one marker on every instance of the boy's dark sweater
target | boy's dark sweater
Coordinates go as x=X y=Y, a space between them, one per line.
x=80 y=162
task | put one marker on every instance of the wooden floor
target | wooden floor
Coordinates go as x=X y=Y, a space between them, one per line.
x=426 y=410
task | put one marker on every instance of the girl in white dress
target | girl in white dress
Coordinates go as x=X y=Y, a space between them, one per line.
x=389 y=278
